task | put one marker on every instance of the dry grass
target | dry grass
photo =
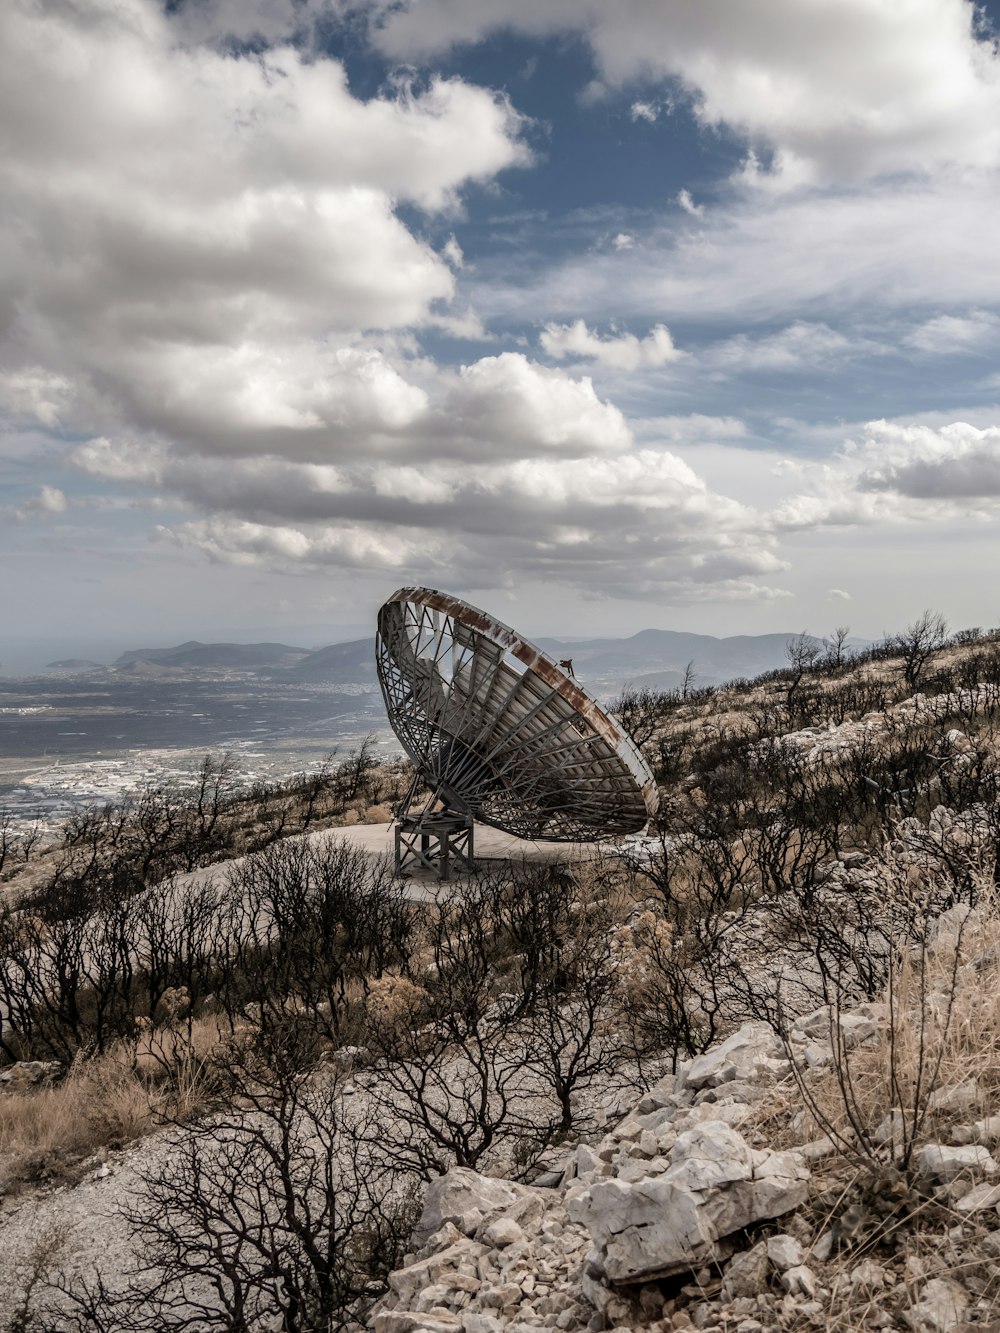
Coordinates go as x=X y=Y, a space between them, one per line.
x=940 y=1030
x=105 y=1103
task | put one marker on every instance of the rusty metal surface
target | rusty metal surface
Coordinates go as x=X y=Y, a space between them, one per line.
x=536 y=753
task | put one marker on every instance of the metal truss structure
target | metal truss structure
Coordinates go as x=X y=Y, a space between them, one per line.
x=436 y=841
x=500 y=732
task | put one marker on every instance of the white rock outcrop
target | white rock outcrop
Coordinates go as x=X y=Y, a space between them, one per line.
x=711 y=1184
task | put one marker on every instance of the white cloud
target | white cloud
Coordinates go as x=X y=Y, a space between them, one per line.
x=517 y=407
x=620 y=351
x=694 y=428
x=956 y=463
x=36 y=393
x=839 y=89
x=622 y=241
x=838 y=595
x=260 y=21
x=901 y=473
x=647 y=111
x=49 y=500
x=947 y=334
x=350 y=546
x=452 y=251
x=799 y=345
x=643 y=523
x=896 y=249
x=689 y=205
x=225 y=225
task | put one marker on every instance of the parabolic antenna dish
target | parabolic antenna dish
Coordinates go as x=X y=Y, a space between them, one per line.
x=499 y=731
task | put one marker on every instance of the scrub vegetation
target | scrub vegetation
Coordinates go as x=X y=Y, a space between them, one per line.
x=312 y=1046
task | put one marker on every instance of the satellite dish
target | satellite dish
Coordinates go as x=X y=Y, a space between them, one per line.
x=500 y=732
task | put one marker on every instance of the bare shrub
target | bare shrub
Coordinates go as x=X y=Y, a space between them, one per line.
x=918 y=642
x=509 y=1014
x=267 y=1213
x=939 y=1026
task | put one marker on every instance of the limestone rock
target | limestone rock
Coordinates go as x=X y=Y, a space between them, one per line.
x=941 y=1307
x=987 y=1130
x=409 y=1321
x=747 y=1273
x=408 y=1283
x=869 y=1277
x=946 y=1162
x=501 y=1233
x=800 y=1281
x=784 y=1252
x=465 y=1199
x=979 y=1198
x=476 y=1322
x=750 y=1050
x=960 y=1097
x=30 y=1073
x=891 y=1128
x=716 y=1184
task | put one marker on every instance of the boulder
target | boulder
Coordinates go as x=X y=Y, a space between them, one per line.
x=501 y=1233
x=715 y=1184
x=31 y=1073
x=466 y=1200
x=407 y=1283
x=748 y=1052
x=408 y=1321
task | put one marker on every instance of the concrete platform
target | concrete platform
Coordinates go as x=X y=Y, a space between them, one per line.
x=491 y=846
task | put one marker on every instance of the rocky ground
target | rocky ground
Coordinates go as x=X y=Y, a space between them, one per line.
x=685 y=1215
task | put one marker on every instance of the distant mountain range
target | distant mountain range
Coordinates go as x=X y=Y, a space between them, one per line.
x=653 y=657
x=235 y=656
x=658 y=657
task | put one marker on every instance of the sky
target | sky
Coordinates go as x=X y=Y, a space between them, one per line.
x=669 y=313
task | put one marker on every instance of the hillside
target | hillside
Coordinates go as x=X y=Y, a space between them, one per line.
x=239 y=656
x=74 y=664
x=739 y=1075
x=340 y=664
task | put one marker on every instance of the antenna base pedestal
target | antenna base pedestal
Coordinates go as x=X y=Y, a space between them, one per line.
x=439 y=842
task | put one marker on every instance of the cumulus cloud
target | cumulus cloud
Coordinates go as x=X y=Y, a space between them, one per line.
x=225 y=225
x=642 y=520
x=619 y=351
x=244 y=21
x=838 y=595
x=897 y=472
x=213 y=280
x=957 y=462
x=838 y=89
